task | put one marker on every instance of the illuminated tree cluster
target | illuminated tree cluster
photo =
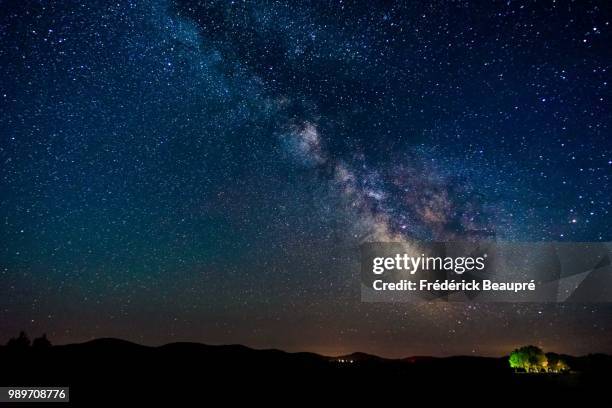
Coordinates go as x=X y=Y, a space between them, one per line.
x=532 y=359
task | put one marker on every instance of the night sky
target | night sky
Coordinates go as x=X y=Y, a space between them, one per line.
x=205 y=171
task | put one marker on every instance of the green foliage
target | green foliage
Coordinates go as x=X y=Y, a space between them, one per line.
x=517 y=359
x=532 y=359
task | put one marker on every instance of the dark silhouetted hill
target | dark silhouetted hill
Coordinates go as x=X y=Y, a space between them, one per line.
x=111 y=369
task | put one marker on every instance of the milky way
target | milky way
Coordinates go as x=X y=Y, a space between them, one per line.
x=207 y=171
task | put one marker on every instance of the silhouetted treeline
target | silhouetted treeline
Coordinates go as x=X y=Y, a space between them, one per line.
x=23 y=341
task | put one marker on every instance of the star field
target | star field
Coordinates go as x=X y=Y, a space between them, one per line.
x=205 y=171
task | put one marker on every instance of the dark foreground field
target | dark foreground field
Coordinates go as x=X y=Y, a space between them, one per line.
x=113 y=370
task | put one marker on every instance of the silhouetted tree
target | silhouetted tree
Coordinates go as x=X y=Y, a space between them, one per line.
x=23 y=341
x=556 y=364
x=41 y=342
